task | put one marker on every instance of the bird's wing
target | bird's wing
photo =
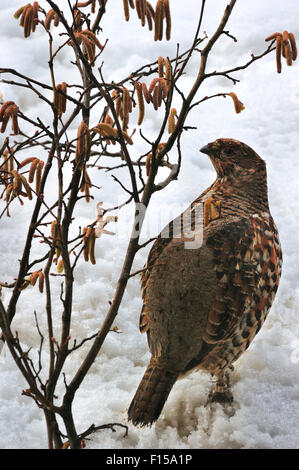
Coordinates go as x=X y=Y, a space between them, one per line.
x=161 y=243
x=247 y=260
x=163 y=240
x=220 y=292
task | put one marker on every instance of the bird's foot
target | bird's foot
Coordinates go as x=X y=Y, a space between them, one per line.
x=223 y=396
x=221 y=393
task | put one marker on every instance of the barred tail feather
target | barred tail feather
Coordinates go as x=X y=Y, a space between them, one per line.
x=151 y=395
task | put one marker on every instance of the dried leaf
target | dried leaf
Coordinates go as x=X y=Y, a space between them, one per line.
x=238 y=104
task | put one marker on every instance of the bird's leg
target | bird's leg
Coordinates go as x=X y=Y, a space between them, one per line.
x=221 y=393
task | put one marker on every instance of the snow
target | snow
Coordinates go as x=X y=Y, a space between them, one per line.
x=267 y=375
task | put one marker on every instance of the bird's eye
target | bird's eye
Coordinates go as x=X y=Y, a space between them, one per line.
x=227 y=151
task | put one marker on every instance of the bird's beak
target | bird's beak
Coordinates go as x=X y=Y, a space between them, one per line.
x=206 y=149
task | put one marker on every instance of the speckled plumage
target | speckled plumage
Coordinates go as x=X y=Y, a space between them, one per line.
x=203 y=305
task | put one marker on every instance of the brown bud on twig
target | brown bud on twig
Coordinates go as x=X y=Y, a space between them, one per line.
x=118 y=103
x=288 y=53
x=89 y=46
x=146 y=93
x=26 y=186
x=85 y=246
x=148 y=164
x=91 y=246
x=57 y=100
x=126 y=10
x=161 y=67
x=77 y=20
x=33 y=278
x=163 y=85
x=127 y=138
x=5 y=105
x=63 y=98
x=32 y=170
x=157 y=96
x=85 y=185
x=27 y=19
x=293 y=46
x=26 y=161
x=159 y=13
x=55 y=235
x=9 y=109
x=127 y=102
x=5 y=169
x=56 y=20
x=168 y=19
x=108 y=119
x=86 y=192
x=18 y=13
x=285 y=47
x=278 y=53
x=23 y=14
x=8 y=192
x=153 y=84
x=86 y=233
x=10 y=159
x=126 y=107
x=285 y=43
x=49 y=17
x=171 y=121
x=35 y=16
x=285 y=37
x=17 y=183
x=162 y=11
x=41 y=279
x=150 y=16
x=83 y=143
x=54 y=230
x=5 y=119
x=273 y=36
x=150 y=10
x=14 y=119
x=105 y=130
x=85 y=4
x=238 y=104
x=143 y=9
x=108 y=131
x=141 y=107
x=111 y=122
x=92 y=37
x=168 y=73
x=60 y=99
x=60 y=266
x=38 y=175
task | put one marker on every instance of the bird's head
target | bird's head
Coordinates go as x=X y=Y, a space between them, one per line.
x=234 y=159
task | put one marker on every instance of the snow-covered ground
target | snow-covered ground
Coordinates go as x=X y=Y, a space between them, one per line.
x=267 y=375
